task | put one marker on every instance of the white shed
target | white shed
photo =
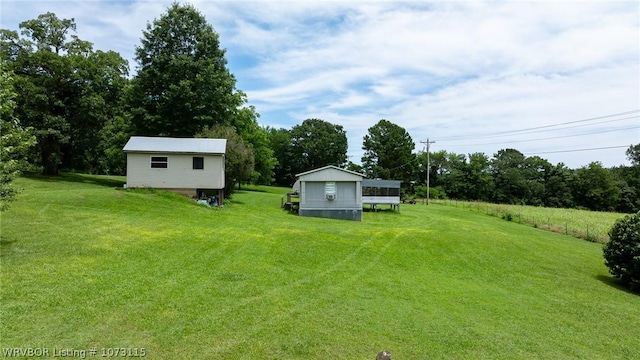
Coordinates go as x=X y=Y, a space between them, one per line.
x=331 y=192
x=185 y=165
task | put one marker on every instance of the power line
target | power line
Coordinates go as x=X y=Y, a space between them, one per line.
x=577 y=150
x=554 y=137
x=519 y=131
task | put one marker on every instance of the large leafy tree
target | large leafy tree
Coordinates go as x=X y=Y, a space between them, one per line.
x=388 y=152
x=14 y=140
x=628 y=179
x=66 y=90
x=316 y=143
x=479 y=178
x=279 y=141
x=535 y=171
x=452 y=174
x=510 y=184
x=594 y=188
x=239 y=159
x=558 y=187
x=182 y=85
x=257 y=139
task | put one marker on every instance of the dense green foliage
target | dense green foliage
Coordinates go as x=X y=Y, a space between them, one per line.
x=183 y=87
x=280 y=140
x=622 y=252
x=314 y=143
x=182 y=84
x=512 y=178
x=388 y=152
x=239 y=159
x=66 y=91
x=105 y=267
x=15 y=141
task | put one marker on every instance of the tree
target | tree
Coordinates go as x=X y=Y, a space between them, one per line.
x=622 y=252
x=239 y=159
x=628 y=179
x=279 y=141
x=183 y=85
x=112 y=138
x=558 y=187
x=633 y=154
x=479 y=178
x=14 y=140
x=594 y=188
x=510 y=185
x=535 y=170
x=453 y=175
x=388 y=152
x=66 y=91
x=256 y=138
x=316 y=143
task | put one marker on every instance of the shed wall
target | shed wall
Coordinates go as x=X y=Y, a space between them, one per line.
x=347 y=196
x=179 y=173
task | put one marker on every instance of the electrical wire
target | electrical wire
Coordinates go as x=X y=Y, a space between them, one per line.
x=554 y=137
x=577 y=150
x=546 y=127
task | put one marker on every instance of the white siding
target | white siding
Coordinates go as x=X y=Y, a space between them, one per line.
x=395 y=200
x=178 y=175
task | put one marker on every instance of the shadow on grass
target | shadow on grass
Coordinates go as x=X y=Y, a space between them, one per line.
x=101 y=180
x=380 y=211
x=615 y=283
x=250 y=190
x=5 y=241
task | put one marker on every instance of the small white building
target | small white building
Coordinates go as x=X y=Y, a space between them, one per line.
x=184 y=165
x=330 y=192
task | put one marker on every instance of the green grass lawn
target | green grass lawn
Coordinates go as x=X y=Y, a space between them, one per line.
x=86 y=264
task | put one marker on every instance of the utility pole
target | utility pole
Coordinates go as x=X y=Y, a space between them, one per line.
x=428 y=143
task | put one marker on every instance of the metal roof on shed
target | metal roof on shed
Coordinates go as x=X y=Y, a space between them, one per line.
x=175 y=145
x=329 y=167
x=381 y=183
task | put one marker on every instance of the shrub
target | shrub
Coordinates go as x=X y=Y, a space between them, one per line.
x=508 y=216
x=622 y=252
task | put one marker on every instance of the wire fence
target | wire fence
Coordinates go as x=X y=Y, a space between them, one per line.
x=589 y=225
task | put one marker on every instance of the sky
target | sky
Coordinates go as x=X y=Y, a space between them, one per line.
x=557 y=79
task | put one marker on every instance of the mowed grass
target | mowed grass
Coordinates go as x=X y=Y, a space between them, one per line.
x=85 y=264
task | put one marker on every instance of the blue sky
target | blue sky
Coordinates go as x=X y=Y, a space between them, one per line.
x=543 y=77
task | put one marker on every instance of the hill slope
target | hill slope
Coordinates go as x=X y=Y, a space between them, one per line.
x=86 y=264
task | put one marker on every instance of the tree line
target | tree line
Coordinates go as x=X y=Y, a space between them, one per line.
x=507 y=177
x=66 y=106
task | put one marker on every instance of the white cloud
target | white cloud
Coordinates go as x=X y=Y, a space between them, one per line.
x=438 y=69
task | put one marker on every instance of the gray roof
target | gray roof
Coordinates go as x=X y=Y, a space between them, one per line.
x=328 y=167
x=381 y=183
x=175 y=145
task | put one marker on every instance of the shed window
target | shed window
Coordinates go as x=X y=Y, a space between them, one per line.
x=198 y=163
x=159 y=162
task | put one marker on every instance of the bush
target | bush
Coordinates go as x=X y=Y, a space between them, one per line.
x=622 y=252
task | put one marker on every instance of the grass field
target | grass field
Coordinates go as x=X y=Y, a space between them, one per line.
x=86 y=264
x=589 y=225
